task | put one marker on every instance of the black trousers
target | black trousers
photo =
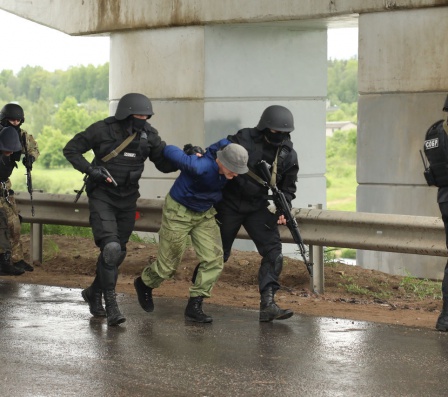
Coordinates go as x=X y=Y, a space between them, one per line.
x=261 y=226
x=444 y=211
x=110 y=224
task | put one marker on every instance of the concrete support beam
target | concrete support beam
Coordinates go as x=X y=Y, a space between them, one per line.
x=402 y=85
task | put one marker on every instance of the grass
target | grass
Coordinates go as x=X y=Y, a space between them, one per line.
x=341 y=187
x=415 y=287
x=350 y=285
x=421 y=288
x=57 y=181
x=78 y=231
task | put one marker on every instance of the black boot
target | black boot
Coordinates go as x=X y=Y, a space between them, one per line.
x=114 y=317
x=23 y=266
x=442 y=321
x=268 y=308
x=93 y=297
x=193 y=311
x=6 y=266
x=144 y=294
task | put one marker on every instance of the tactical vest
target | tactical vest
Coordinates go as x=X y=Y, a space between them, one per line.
x=126 y=168
x=436 y=151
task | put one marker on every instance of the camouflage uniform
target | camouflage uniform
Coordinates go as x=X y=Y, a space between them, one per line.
x=7 y=200
x=5 y=245
x=9 y=144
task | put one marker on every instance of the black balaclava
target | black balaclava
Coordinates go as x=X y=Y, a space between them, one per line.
x=275 y=139
x=138 y=124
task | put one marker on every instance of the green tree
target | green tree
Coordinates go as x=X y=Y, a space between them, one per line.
x=343 y=89
x=51 y=143
x=70 y=117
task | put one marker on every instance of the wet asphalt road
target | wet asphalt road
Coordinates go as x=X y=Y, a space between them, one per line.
x=51 y=346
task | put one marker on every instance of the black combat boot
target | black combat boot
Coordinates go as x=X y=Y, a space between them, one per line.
x=193 y=311
x=6 y=266
x=23 y=266
x=144 y=294
x=114 y=317
x=442 y=321
x=93 y=297
x=268 y=308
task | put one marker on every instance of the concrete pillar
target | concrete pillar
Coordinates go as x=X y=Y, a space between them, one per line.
x=402 y=85
x=206 y=82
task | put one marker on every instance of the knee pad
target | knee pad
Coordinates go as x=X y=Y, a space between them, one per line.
x=112 y=254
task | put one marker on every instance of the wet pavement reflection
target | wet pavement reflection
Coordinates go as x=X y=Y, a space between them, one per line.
x=51 y=346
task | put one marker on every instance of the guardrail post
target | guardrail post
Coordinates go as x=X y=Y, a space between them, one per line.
x=317 y=282
x=36 y=242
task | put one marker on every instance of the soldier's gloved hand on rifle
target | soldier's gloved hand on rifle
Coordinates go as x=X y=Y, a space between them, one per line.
x=28 y=161
x=190 y=149
x=98 y=174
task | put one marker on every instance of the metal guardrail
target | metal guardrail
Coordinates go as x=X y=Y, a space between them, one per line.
x=319 y=228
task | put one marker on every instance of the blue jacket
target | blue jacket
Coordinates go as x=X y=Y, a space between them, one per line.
x=199 y=185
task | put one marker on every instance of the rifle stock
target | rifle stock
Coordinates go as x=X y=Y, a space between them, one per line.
x=81 y=191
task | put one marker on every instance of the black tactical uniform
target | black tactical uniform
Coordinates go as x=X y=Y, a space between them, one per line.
x=442 y=200
x=245 y=201
x=112 y=208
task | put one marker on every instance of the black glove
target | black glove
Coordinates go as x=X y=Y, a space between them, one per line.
x=28 y=161
x=97 y=174
x=190 y=149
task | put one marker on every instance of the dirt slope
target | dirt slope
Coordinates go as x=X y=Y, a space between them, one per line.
x=70 y=262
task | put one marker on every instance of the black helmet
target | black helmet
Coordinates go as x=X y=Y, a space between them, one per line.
x=12 y=111
x=9 y=140
x=276 y=118
x=133 y=104
x=445 y=106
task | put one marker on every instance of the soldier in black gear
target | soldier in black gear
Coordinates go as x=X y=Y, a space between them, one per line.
x=9 y=143
x=245 y=200
x=442 y=200
x=113 y=188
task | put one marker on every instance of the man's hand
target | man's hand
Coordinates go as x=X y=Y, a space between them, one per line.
x=281 y=220
x=99 y=174
x=28 y=161
x=190 y=149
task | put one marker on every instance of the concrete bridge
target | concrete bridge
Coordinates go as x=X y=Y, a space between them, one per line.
x=211 y=67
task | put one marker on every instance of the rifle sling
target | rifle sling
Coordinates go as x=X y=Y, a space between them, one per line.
x=116 y=151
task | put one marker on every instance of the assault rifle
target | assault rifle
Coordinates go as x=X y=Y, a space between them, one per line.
x=283 y=207
x=107 y=176
x=28 y=166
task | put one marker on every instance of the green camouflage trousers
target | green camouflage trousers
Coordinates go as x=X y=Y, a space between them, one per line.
x=12 y=214
x=178 y=223
x=5 y=245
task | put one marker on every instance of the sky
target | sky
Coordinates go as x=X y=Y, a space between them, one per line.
x=37 y=45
